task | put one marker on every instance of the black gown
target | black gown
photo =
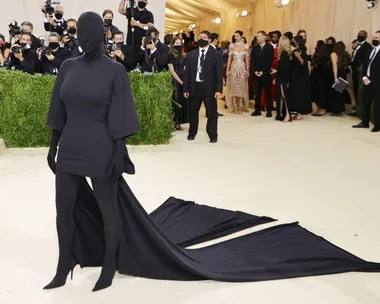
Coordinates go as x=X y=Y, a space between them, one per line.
x=152 y=246
x=282 y=83
x=319 y=80
x=299 y=87
x=180 y=105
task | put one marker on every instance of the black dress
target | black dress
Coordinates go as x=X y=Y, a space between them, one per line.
x=299 y=89
x=282 y=83
x=180 y=104
x=319 y=80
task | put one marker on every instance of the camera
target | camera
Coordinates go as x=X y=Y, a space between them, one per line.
x=45 y=50
x=148 y=40
x=49 y=9
x=106 y=27
x=112 y=46
x=71 y=43
x=14 y=28
x=19 y=49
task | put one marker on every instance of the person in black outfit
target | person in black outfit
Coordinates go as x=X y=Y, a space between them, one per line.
x=319 y=85
x=52 y=57
x=177 y=69
x=153 y=56
x=299 y=87
x=27 y=27
x=262 y=56
x=371 y=82
x=203 y=81
x=91 y=113
x=70 y=39
x=2 y=48
x=108 y=22
x=27 y=59
x=54 y=23
x=125 y=54
x=282 y=80
x=139 y=20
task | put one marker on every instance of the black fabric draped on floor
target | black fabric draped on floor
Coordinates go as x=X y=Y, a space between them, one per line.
x=152 y=246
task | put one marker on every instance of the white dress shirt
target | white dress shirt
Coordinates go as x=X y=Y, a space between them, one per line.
x=357 y=49
x=197 y=79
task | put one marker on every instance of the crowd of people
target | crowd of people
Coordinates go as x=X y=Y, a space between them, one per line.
x=285 y=73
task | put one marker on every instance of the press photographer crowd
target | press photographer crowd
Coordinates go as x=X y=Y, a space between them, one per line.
x=142 y=49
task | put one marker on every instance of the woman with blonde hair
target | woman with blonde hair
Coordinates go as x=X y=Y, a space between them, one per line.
x=176 y=64
x=282 y=79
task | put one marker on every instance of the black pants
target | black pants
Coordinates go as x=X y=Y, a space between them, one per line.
x=265 y=81
x=67 y=186
x=355 y=80
x=371 y=92
x=211 y=111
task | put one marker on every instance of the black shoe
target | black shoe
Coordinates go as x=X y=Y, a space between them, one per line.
x=106 y=276
x=269 y=114
x=190 y=137
x=214 y=141
x=62 y=273
x=256 y=113
x=219 y=114
x=375 y=129
x=279 y=118
x=361 y=126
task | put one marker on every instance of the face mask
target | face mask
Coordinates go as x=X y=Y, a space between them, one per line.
x=375 y=42
x=274 y=41
x=202 y=43
x=330 y=47
x=72 y=30
x=178 y=48
x=142 y=4
x=361 y=38
x=53 y=45
x=108 y=21
x=119 y=44
x=58 y=16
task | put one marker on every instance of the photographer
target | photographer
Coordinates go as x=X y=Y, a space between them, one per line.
x=70 y=40
x=22 y=57
x=125 y=54
x=108 y=19
x=53 y=18
x=27 y=27
x=153 y=54
x=14 y=35
x=2 y=49
x=139 y=18
x=52 y=56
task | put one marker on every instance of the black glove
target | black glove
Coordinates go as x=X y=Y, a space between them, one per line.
x=54 y=139
x=117 y=162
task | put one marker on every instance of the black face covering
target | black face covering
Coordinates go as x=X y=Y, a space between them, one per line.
x=72 y=30
x=91 y=35
x=58 y=16
x=108 y=21
x=202 y=43
x=53 y=45
x=178 y=48
x=361 y=38
x=142 y=4
x=375 y=42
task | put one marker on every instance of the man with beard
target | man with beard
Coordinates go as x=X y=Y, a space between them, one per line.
x=274 y=37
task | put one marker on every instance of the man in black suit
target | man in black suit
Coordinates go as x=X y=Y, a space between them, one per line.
x=371 y=89
x=262 y=57
x=359 y=60
x=203 y=81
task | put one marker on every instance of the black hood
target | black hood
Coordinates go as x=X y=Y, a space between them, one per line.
x=91 y=34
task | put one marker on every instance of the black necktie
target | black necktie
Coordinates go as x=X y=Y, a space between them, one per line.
x=201 y=65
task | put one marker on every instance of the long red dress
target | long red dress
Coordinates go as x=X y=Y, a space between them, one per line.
x=274 y=66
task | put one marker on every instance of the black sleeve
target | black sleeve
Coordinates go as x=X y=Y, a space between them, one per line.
x=47 y=26
x=130 y=57
x=128 y=15
x=30 y=62
x=270 y=58
x=122 y=116
x=171 y=58
x=150 y=18
x=161 y=56
x=60 y=57
x=252 y=61
x=186 y=76
x=219 y=72
x=57 y=116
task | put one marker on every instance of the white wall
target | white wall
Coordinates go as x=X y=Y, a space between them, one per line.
x=30 y=10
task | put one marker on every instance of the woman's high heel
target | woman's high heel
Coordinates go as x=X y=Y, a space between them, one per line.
x=61 y=275
x=106 y=276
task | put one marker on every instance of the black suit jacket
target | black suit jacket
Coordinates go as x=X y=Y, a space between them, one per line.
x=29 y=65
x=159 y=58
x=212 y=72
x=375 y=70
x=129 y=61
x=262 y=59
x=361 y=57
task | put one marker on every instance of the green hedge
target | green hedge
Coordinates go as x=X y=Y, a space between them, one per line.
x=25 y=99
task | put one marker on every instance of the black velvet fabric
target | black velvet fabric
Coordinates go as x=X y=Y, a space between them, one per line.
x=148 y=247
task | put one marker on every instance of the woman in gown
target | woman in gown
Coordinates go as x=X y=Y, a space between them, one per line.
x=282 y=79
x=176 y=67
x=91 y=113
x=340 y=60
x=318 y=78
x=299 y=89
x=303 y=34
x=237 y=98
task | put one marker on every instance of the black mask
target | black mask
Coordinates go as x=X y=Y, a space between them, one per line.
x=72 y=30
x=142 y=4
x=274 y=41
x=202 y=43
x=108 y=21
x=53 y=45
x=361 y=38
x=58 y=16
x=375 y=42
x=178 y=48
x=91 y=35
x=330 y=47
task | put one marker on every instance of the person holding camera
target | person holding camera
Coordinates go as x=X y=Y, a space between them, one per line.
x=22 y=57
x=108 y=19
x=139 y=20
x=125 y=54
x=52 y=56
x=53 y=19
x=70 y=40
x=153 y=54
x=2 y=49
x=27 y=27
